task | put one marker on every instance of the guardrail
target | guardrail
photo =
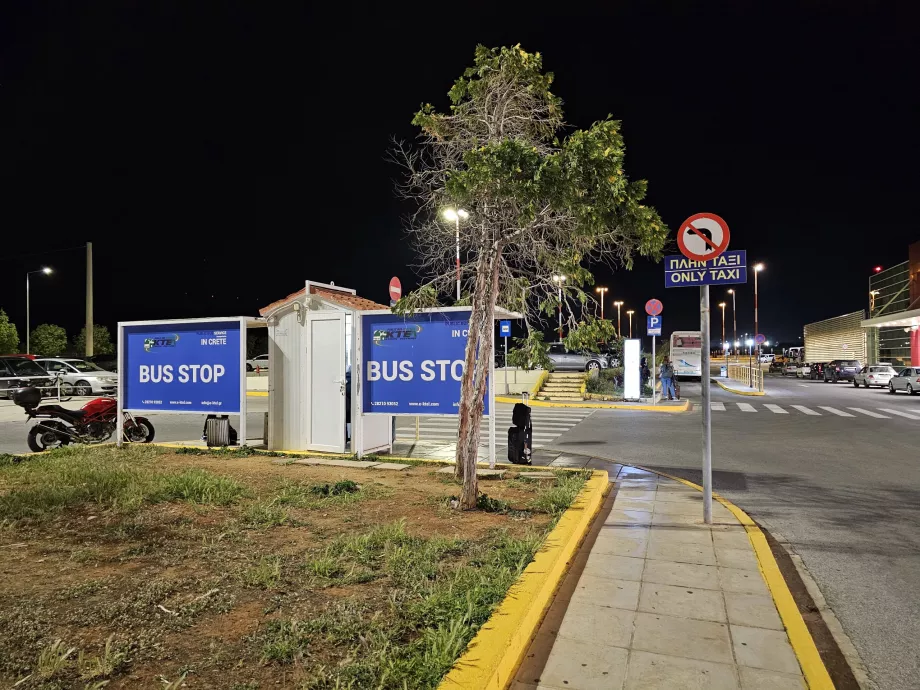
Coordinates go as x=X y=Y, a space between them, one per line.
x=751 y=376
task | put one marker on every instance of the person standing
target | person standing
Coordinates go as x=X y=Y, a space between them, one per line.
x=666 y=371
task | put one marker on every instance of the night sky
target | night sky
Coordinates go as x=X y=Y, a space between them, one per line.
x=219 y=154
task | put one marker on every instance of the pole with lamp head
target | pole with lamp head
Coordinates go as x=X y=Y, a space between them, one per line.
x=618 y=304
x=629 y=313
x=734 y=323
x=559 y=280
x=602 y=291
x=750 y=344
x=757 y=269
x=722 y=304
x=456 y=215
x=47 y=270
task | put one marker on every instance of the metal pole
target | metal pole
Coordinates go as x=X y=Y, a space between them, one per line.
x=602 y=306
x=458 y=257
x=619 y=329
x=560 y=311
x=750 y=366
x=492 y=402
x=734 y=326
x=756 y=325
x=723 y=330
x=707 y=412
x=28 y=351
x=89 y=299
x=506 y=365
x=630 y=325
x=654 y=364
x=416 y=427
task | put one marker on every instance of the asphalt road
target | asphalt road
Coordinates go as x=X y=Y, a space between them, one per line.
x=844 y=491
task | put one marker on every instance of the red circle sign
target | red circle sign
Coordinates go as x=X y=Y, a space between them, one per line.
x=395 y=288
x=653 y=307
x=703 y=237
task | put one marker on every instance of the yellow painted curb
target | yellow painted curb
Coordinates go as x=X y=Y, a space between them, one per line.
x=683 y=407
x=803 y=644
x=494 y=654
x=258 y=394
x=732 y=390
x=541 y=379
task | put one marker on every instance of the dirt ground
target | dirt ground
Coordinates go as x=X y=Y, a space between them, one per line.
x=184 y=589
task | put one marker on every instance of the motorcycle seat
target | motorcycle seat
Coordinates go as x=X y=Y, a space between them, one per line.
x=61 y=410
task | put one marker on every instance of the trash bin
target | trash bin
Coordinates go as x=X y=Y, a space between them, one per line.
x=723 y=371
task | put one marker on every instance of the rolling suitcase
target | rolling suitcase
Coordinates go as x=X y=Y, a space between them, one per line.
x=520 y=443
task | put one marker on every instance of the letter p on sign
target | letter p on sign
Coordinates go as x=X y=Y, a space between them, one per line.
x=654 y=325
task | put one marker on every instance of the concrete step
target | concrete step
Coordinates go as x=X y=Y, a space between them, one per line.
x=565 y=377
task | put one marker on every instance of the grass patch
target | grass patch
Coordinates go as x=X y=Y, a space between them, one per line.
x=264 y=574
x=125 y=480
x=557 y=498
x=266 y=513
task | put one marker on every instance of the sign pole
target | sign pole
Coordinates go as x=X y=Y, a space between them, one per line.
x=707 y=412
x=506 y=365
x=491 y=394
x=654 y=363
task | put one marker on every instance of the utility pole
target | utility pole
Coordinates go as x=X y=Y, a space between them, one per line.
x=89 y=299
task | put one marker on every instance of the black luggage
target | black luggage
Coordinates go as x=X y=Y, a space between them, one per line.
x=519 y=445
x=520 y=415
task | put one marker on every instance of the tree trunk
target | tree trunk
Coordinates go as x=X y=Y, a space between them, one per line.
x=475 y=374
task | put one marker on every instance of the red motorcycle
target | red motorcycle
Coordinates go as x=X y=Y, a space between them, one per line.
x=92 y=423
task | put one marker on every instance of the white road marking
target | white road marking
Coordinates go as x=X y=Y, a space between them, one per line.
x=834 y=410
x=868 y=413
x=776 y=409
x=802 y=408
x=804 y=385
x=899 y=413
x=746 y=407
x=717 y=406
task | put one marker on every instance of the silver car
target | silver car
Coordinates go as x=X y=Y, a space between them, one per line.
x=874 y=375
x=563 y=359
x=906 y=380
x=79 y=377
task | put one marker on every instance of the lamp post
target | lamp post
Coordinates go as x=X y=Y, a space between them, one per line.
x=630 y=312
x=455 y=215
x=602 y=291
x=722 y=304
x=619 y=330
x=47 y=271
x=734 y=322
x=559 y=280
x=750 y=344
x=757 y=269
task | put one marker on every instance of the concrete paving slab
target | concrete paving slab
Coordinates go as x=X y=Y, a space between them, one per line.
x=681 y=574
x=758 y=679
x=391 y=466
x=766 y=649
x=752 y=610
x=684 y=637
x=331 y=462
x=607 y=591
x=482 y=473
x=742 y=559
x=588 y=622
x=682 y=601
x=649 y=671
x=680 y=552
x=581 y=666
x=743 y=581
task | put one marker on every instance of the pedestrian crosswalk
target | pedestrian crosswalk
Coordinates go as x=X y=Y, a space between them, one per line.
x=820 y=410
x=548 y=425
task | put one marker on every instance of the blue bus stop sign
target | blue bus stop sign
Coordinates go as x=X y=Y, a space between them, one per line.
x=504 y=328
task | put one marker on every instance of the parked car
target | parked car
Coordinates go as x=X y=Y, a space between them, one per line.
x=817 y=370
x=841 y=370
x=20 y=371
x=803 y=371
x=874 y=375
x=790 y=369
x=107 y=362
x=907 y=380
x=260 y=362
x=563 y=359
x=767 y=358
x=85 y=377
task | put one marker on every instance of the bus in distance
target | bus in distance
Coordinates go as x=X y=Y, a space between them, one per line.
x=687 y=353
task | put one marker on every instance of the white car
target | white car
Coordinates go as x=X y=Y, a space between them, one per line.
x=803 y=371
x=79 y=377
x=791 y=369
x=767 y=358
x=874 y=375
x=905 y=380
x=259 y=363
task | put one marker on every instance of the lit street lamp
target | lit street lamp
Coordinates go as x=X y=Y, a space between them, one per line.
x=559 y=280
x=750 y=344
x=630 y=312
x=47 y=271
x=456 y=215
x=722 y=304
x=619 y=330
x=602 y=291
x=757 y=269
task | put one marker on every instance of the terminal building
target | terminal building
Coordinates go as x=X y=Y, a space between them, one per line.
x=893 y=326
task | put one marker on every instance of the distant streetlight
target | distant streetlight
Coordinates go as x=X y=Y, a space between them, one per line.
x=47 y=270
x=750 y=344
x=559 y=280
x=619 y=330
x=456 y=215
x=630 y=312
x=757 y=269
x=722 y=304
x=602 y=291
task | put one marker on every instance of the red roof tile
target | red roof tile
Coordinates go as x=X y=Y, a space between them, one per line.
x=345 y=299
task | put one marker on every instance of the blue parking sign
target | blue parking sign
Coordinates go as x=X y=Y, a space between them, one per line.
x=504 y=328
x=654 y=325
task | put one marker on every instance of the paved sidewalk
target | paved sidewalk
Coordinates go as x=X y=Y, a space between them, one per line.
x=657 y=599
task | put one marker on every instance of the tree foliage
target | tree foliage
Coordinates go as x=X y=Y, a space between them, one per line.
x=102 y=341
x=48 y=340
x=540 y=204
x=9 y=336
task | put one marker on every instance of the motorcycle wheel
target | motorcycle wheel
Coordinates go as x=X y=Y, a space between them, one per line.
x=40 y=440
x=141 y=432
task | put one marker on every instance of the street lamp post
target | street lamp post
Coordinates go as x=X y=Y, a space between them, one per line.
x=456 y=215
x=619 y=330
x=602 y=291
x=722 y=304
x=757 y=269
x=734 y=323
x=47 y=271
x=559 y=280
x=750 y=344
x=630 y=312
